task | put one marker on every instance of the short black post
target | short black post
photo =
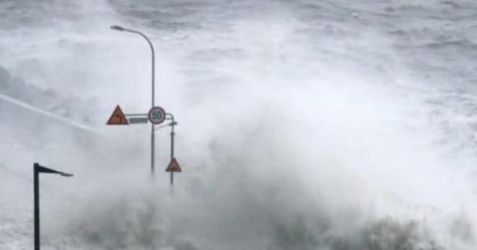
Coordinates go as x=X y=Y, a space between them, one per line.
x=37 y=206
x=37 y=169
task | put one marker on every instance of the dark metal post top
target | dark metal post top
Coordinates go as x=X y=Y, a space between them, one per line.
x=42 y=169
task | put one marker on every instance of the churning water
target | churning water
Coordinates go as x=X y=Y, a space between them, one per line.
x=340 y=125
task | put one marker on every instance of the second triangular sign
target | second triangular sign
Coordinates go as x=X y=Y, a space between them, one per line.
x=174 y=166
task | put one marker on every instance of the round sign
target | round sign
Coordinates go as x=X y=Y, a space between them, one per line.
x=156 y=115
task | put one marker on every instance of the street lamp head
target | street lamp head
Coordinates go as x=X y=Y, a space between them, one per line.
x=40 y=169
x=66 y=174
x=118 y=28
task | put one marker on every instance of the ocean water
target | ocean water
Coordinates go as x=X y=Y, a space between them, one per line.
x=329 y=125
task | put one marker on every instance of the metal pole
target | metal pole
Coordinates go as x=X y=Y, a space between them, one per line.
x=153 y=136
x=36 y=194
x=153 y=89
x=37 y=169
x=172 y=148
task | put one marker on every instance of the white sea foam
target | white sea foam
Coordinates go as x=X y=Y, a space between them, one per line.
x=302 y=125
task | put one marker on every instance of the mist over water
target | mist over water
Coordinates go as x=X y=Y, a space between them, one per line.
x=302 y=124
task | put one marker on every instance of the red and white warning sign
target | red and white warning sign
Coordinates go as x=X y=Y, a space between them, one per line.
x=117 y=117
x=174 y=166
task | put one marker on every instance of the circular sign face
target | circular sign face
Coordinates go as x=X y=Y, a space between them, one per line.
x=156 y=115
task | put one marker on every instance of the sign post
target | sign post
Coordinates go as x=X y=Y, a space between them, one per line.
x=172 y=148
x=173 y=165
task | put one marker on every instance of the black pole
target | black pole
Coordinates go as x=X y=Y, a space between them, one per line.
x=172 y=148
x=36 y=194
x=37 y=169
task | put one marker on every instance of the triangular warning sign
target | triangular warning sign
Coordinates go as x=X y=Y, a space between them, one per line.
x=118 y=117
x=174 y=166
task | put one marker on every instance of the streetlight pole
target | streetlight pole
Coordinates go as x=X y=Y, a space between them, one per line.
x=153 y=137
x=37 y=169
